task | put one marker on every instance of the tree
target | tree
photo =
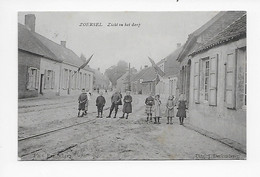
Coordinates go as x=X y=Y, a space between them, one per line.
x=115 y=72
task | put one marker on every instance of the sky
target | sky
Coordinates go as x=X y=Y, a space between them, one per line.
x=153 y=34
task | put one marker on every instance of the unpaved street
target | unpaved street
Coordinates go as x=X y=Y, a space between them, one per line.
x=50 y=130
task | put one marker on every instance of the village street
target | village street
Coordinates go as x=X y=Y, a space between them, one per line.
x=49 y=129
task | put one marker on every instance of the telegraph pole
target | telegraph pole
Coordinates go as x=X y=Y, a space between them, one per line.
x=129 y=78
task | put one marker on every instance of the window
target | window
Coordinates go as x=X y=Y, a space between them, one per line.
x=33 y=78
x=196 y=81
x=206 y=79
x=213 y=80
x=245 y=84
x=70 y=79
x=85 y=80
x=65 y=78
x=80 y=80
x=89 y=81
x=49 y=79
x=74 y=80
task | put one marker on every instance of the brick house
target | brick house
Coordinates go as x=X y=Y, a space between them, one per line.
x=31 y=53
x=215 y=84
x=71 y=81
x=47 y=68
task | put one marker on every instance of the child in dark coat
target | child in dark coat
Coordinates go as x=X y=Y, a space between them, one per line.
x=82 y=100
x=100 y=103
x=127 y=108
x=181 y=110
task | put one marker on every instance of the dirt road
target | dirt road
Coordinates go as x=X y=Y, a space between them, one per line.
x=51 y=131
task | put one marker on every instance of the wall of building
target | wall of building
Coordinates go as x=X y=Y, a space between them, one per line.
x=70 y=89
x=26 y=60
x=167 y=86
x=47 y=64
x=148 y=88
x=228 y=123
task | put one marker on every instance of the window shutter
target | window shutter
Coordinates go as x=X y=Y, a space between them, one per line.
x=196 y=81
x=76 y=80
x=29 y=83
x=45 y=78
x=231 y=80
x=63 y=78
x=213 y=80
x=53 y=79
x=37 y=79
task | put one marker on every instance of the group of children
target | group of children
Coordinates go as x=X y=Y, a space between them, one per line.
x=153 y=109
x=153 y=106
x=116 y=100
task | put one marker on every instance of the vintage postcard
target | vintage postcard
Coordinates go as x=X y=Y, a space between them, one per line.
x=106 y=86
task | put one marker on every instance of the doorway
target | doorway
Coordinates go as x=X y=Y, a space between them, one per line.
x=188 y=82
x=41 y=83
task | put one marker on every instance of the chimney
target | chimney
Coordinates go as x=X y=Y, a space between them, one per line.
x=98 y=69
x=63 y=43
x=178 y=45
x=30 y=22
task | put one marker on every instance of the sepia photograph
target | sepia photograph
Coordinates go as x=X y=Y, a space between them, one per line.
x=132 y=85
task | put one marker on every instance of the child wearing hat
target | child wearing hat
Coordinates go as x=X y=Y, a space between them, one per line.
x=82 y=100
x=149 y=102
x=100 y=103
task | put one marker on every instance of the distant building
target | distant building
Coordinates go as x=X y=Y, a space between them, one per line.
x=124 y=82
x=144 y=81
x=47 y=68
x=168 y=83
x=213 y=76
x=101 y=81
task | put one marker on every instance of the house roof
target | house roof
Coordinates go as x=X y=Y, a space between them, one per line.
x=29 y=43
x=138 y=75
x=125 y=77
x=38 y=44
x=171 y=65
x=63 y=53
x=210 y=29
x=149 y=75
x=235 y=31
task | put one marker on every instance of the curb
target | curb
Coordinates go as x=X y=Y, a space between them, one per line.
x=233 y=144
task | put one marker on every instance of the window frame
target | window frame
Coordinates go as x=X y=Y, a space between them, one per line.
x=34 y=83
x=205 y=69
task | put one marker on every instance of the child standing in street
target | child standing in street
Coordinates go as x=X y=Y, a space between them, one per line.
x=82 y=100
x=100 y=103
x=170 y=109
x=181 y=109
x=157 y=109
x=149 y=102
x=127 y=108
x=87 y=103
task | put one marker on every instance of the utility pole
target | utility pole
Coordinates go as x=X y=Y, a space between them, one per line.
x=129 y=78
